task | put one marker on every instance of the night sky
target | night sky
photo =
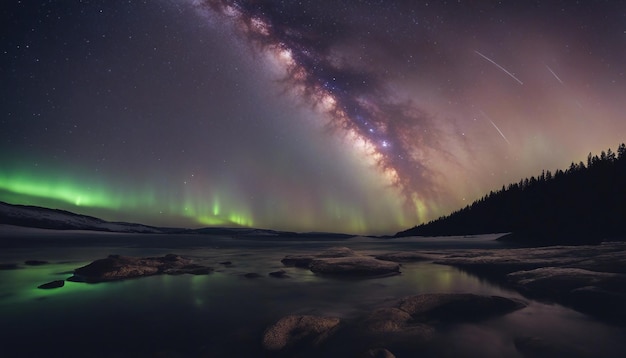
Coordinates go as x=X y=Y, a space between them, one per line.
x=345 y=116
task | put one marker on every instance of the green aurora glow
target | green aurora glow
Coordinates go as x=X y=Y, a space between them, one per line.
x=32 y=188
x=188 y=206
x=167 y=113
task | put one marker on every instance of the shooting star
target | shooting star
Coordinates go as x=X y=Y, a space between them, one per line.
x=495 y=126
x=500 y=67
x=554 y=74
x=564 y=85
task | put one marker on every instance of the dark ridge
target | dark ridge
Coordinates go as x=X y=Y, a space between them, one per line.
x=45 y=218
x=584 y=204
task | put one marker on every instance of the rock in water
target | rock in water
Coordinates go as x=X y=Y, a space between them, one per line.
x=116 y=267
x=405 y=327
x=298 y=260
x=552 y=281
x=457 y=307
x=411 y=256
x=354 y=265
x=336 y=252
x=279 y=274
x=53 y=284
x=602 y=294
x=305 y=260
x=342 y=260
x=295 y=330
x=589 y=279
x=413 y=321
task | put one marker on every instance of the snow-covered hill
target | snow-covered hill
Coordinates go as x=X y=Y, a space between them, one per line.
x=38 y=217
x=45 y=218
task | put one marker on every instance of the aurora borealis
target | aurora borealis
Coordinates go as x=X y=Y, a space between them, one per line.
x=350 y=116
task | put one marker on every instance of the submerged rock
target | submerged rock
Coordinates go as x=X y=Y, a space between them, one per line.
x=610 y=305
x=457 y=307
x=116 y=267
x=279 y=274
x=52 y=284
x=298 y=330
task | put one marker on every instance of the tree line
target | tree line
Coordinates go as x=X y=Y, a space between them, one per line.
x=585 y=203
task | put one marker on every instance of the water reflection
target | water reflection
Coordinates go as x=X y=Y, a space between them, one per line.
x=226 y=313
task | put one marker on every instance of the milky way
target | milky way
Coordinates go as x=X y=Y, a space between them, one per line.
x=357 y=116
x=395 y=134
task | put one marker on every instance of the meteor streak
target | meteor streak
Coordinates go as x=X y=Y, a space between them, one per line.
x=495 y=126
x=554 y=74
x=500 y=67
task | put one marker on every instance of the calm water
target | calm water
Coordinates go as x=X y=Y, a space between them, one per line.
x=224 y=314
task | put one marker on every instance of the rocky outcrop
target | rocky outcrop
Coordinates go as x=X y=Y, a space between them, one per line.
x=553 y=281
x=342 y=261
x=304 y=330
x=599 y=293
x=407 y=256
x=116 y=267
x=411 y=322
x=413 y=316
x=305 y=260
x=392 y=326
x=608 y=257
x=354 y=265
x=298 y=260
x=590 y=279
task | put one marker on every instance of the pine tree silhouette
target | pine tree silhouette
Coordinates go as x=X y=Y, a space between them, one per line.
x=583 y=204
